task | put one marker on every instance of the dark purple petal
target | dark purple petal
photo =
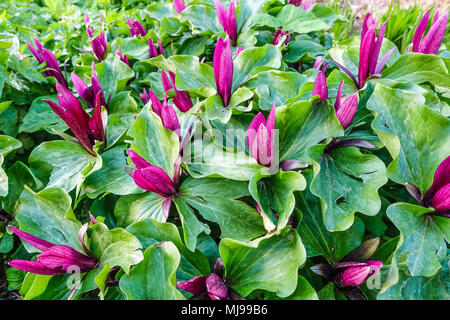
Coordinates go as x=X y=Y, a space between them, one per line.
x=232 y=22
x=152 y=48
x=82 y=89
x=366 y=48
x=293 y=164
x=156 y=104
x=441 y=178
x=96 y=122
x=144 y=97
x=217 y=290
x=323 y=269
x=223 y=69
x=169 y=118
x=159 y=179
x=352 y=276
x=414 y=192
x=62 y=257
x=196 y=285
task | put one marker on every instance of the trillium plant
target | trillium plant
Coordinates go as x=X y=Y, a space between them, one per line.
x=224 y=150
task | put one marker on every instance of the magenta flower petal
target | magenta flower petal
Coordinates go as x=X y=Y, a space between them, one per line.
x=196 y=285
x=353 y=276
x=320 y=86
x=34 y=241
x=166 y=207
x=179 y=5
x=35 y=267
x=375 y=266
x=376 y=49
x=337 y=104
x=144 y=97
x=96 y=122
x=159 y=179
x=138 y=161
x=366 y=48
x=232 y=22
x=251 y=134
x=441 y=199
x=420 y=31
x=152 y=48
x=215 y=287
x=82 y=89
x=61 y=257
x=441 y=179
x=382 y=62
x=346 y=112
x=169 y=118
x=432 y=41
x=223 y=69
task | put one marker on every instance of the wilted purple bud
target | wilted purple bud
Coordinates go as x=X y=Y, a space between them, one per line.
x=320 y=86
x=182 y=100
x=321 y=64
x=43 y=55
x=179 y=5
x=223 y=69
x=260 y=136
x=122 y=57
x=346 y=111
x=227 y=19
x=354 y=274
x=431 y=43
x=136 y=28
x=86 y=129
x=211 y=285
x=54 y=259
x=438 y=195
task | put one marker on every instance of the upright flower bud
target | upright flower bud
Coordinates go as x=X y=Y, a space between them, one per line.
x=346 y=111
x=179 y=5
x=122 y=57
x=260 y=136
x=223 y=69
x=182 y=100
x=354 y=274
x=431 y=43
x=438 y=195
x=321 y=64
x=320 y=86
x=136 y=28
x=153 y=50
x=227 y=19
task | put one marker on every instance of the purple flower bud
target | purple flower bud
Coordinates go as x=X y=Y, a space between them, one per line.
x=227 y=19
x=436 y=194
x=346 y=111
x=151 y=178
x=195 y=286
x=215 y=287
x=43 y=55
x=260 y=135
x=320 y=86
x=169 y=118
x=432 y=41
x=136 y=28
x=123 y=57
x=354 y=274
x=82 y=89
x=321 y=64
x=223 y=69
x=179 y=5
x=182 y=100
x=99 y=46
x=153 y=50
x=55 y=259
x=299 y=3
x=86 y=129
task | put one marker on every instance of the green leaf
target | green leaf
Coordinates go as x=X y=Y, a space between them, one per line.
x=112 y=177
x=422 y=245
x=276 y=87
x=253 y=60
x=191 y=74
x=214 y=200
x=41 y=116
x=154 y=278
x=275 y=194
x=202 y=17
x=304 y=291
x=417 y=137
x=347 y=182
x=7 y=145
x=270 y=263
x=115 y=247
x=153 y=142
x=304 y=124
x=136 y=207
x=43 y=215
x=213 y=161
x=62 y=163
x=149 y=231
x=113 y=74
x=419 y=68
x=293 y=18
